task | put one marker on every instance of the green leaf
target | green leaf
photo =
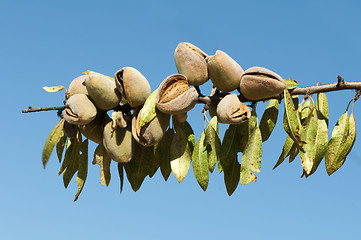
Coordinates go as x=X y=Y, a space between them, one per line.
x=154 y=162
x=269 y=119
x=309 y=134
x=291 y=120
x=291 y=84
x=121 y=175
x=163 y=153
x=306 y=111
x=102 y=158
x=321 y=140
x=230 y=146
x=60 y=146
x=138 y=168
x=350 y=140
x=148 y=112
x=251 y=158
x=232 y=176
x=200 y=162
x=83 y=168
x=336 y=144
x=285 y=151
x=53 y=138
x=71 y=160
x=54 y=88
x=212 y=143
x=180 y=153
x=228 y=157
x=294 y=152
x=190 y=135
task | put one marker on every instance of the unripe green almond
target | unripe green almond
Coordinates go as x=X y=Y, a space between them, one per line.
x=77 y=86
x=133 y=86
x=175 y=96
x=118 y=142
x=259 y=83
x=94 y=129
x=102 y=91
x=151 y=133
x=190 y=62
x=231 y=110
x=70 y=130
x=224 y=72
x=80 y=110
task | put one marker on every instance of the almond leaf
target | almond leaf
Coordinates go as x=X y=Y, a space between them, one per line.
x=200 y=162
x=83 y=168
x=54 y=88
x=102 y=158
x=269 y=119
x=53 y=138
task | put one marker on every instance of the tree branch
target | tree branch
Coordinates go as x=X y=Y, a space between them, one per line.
x=216 y=95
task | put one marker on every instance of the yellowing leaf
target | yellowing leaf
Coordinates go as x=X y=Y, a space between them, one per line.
x=321 y=139
x=54 y=88
x=212 y=143
x=251 y=158
x=53 y=138
x=336 y=144
x=291 y=120
x=102 y=158
x=83 y=168
x=180 y=153
x=200 y=163
x=291 y=84
x=148 y=112
x=269 y=119
x=308 y=134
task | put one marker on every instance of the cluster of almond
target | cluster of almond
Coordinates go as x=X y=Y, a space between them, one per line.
x=90 y=96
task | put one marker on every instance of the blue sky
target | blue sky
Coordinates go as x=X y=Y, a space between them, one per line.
x=44 y=43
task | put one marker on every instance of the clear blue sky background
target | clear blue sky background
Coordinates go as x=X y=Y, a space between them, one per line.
x=44 y=43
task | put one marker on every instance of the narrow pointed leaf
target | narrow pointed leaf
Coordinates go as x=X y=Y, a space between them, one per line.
x=232 y=176
x=148 y=112
x=121 y=175
x=163 y=153
x=229 y=147
x=60 y=146
x=285 y=151
x=83 y=168
x=309 y=134
x=138 y=168
x=53 y=138
x=336 y=144
x=321 y=140
x=180 y=154
x=153 y=161
x=54 y=88
x=269 y=119
x=102 y=158
x=213 y=143
x=291 y=120
x=187 y=128
x=306 y=111
x=294 y=152
x=350 y=140
x=72 y=165
x=251 y=158
x=200 y=163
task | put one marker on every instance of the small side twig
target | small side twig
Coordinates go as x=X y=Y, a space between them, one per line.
x=30 y=109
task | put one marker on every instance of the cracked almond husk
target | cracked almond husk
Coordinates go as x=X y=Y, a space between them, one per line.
x=175 y=96
x=232 y=111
